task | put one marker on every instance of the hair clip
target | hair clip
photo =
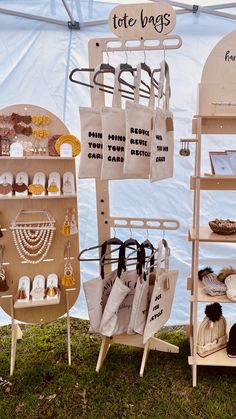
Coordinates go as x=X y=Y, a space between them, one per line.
x=41 y=120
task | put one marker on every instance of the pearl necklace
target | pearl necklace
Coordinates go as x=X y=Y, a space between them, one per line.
x=42 y=252
x=32 y=244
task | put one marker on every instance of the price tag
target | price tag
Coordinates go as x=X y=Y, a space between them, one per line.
x=66 y=150
x=16 y=150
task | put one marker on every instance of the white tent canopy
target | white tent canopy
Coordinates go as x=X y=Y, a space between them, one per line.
x=36 y=59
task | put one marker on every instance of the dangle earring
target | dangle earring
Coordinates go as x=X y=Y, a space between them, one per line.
x=68 y=279
x=188 y=150
x=66 y=225
x=73 y=224
x=181 y=151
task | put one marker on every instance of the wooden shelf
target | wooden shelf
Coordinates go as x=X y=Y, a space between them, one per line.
x=214 y=182
x=215 y=124
x=220 y=359
x=37 y=197
x=38 y=303
x=205 y=298
x=207 y=235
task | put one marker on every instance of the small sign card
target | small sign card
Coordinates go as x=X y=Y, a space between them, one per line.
x=16 y=150
x=66 y=150
x=145 y=20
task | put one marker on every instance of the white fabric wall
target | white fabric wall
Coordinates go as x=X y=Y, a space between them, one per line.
x=36 y=59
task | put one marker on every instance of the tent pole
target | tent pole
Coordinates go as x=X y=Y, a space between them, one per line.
x=68 y=12
x=33 y=17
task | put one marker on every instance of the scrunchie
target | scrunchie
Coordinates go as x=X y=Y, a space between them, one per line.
x=7 y=132
x=5 y=119
x=40 y=133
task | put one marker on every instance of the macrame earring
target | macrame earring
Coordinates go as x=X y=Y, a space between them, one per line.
x=68 y=279
x=3 y=283
x=66 y=225
x=73 y=224
x=53 y=186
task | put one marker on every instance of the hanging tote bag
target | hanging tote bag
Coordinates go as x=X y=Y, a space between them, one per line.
x=91 y=137
x=141 y=300
x=139 y=122
x=162 y=150
x=162 y=295
x=116 y=315
x=97 y=291
x=113 y=134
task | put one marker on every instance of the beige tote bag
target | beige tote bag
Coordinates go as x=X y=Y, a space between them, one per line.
x=139 y=123
x=162 y=295
x=91 y=137
x=113 y=134
x=162 y=149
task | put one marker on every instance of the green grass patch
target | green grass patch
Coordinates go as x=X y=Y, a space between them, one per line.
x=44 y=386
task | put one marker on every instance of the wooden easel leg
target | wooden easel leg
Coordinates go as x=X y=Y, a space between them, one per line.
x=106 y=343
x=68 y=328
x=18 y=331
x=161 y=345
x=144 y=358
x=194 y=375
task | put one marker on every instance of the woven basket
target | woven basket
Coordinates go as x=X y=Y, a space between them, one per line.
x=224 y=227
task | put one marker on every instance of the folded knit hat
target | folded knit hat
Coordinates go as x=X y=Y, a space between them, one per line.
x=231 y=344
x=212 y=331
x=212 y=286
x=230 y=283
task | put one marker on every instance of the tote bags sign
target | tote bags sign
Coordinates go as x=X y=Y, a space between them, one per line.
x=133 y=21
x=162 y=296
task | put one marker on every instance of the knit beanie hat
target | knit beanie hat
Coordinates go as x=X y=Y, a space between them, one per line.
x=231 y=344
x=230 y=283
x=212 y=286
x=212 y=331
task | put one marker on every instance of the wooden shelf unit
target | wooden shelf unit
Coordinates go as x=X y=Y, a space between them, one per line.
x=203 y=234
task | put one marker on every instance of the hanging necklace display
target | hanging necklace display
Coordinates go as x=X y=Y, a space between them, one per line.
x=33 y=238
x=3 y=283
x=68 y=279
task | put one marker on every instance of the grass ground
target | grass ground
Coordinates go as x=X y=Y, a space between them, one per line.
x=44 y=386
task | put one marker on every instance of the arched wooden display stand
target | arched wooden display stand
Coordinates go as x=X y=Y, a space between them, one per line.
x=217 y=115
x=42 y=311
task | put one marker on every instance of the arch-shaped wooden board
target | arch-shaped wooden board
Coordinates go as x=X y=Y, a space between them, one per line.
x=217 y=94
x=54 y=261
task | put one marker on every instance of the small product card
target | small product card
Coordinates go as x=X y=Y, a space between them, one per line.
x=66 y=150
x=16 y=150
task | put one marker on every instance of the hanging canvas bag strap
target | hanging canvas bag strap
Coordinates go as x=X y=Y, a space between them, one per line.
x=116 y=100
x=103 y=252
x=122 y=264
x=97 y=93
x=164 y=79
x=162 y=244
x=137 y=83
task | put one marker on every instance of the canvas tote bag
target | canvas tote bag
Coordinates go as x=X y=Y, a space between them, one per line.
x=142 y=297
x=162 y=295
x=97 y=291
x=139 y=122
x=91 y=137
x=113 y=134
x=116 y=315
x=162 y=150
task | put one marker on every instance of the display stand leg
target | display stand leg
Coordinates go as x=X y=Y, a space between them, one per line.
x=68 y=323
x=144 y=358
x=13 y=339
x=194 y=374
x=106 y=343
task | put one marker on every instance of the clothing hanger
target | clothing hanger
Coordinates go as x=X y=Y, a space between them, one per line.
x=111 y=241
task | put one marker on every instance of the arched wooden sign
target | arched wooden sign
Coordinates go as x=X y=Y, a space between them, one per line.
x=217 y=92
x=145 y=20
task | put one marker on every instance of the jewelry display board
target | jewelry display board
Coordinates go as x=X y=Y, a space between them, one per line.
x=57 y=206
x=217 y=116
